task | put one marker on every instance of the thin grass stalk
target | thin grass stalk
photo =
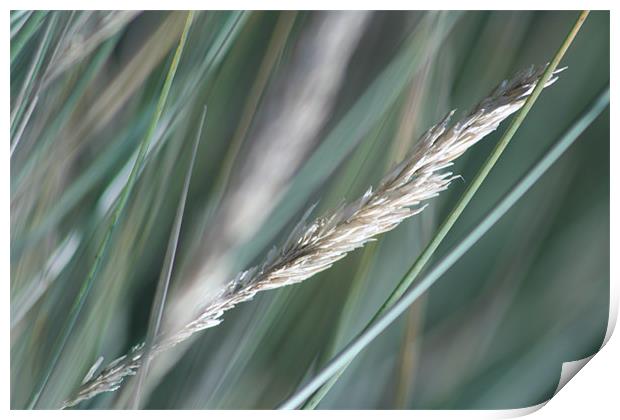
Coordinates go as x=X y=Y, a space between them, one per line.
x=164 y=281
x=22 y=125
x=314 y=247
x=26 y=32
x=29 y=80
x=118 y=209
x=471 y=190
x=18 y=19
x=365 y=337
x=40 y=86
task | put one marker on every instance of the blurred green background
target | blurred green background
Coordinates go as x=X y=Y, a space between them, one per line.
x=491 y=334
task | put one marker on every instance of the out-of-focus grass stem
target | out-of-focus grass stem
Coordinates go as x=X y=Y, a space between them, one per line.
x=159 y=301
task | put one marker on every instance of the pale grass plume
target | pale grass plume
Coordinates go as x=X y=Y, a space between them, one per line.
x=316 y=246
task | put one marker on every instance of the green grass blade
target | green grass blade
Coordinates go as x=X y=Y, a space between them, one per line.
x=471 y=190
x=87 y=285
x=342 y=360
x=26 y=32
x=159 y=301
x=21 y=103
x=85 y=182
x=274 y=52
x=62 y=116
x=18 y=19
x=221 y=45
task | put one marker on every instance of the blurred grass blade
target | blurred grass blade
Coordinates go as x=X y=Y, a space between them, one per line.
x=25 y=300
x=120 y=204
x=18 y=20
x=221 y=45
x=70 y=55
x=26 y=32
x=32 y=88
x=378 y=325
x=471 y=190
x=22 y=125
x=83 y=184
x=21 y=103
x=273 y=53
x=164 y=280
x=58 y=119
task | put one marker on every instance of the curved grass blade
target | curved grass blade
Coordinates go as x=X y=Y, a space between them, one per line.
x=471 y=190
x=164 y=280
x=375 y=328
x=87 y=285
